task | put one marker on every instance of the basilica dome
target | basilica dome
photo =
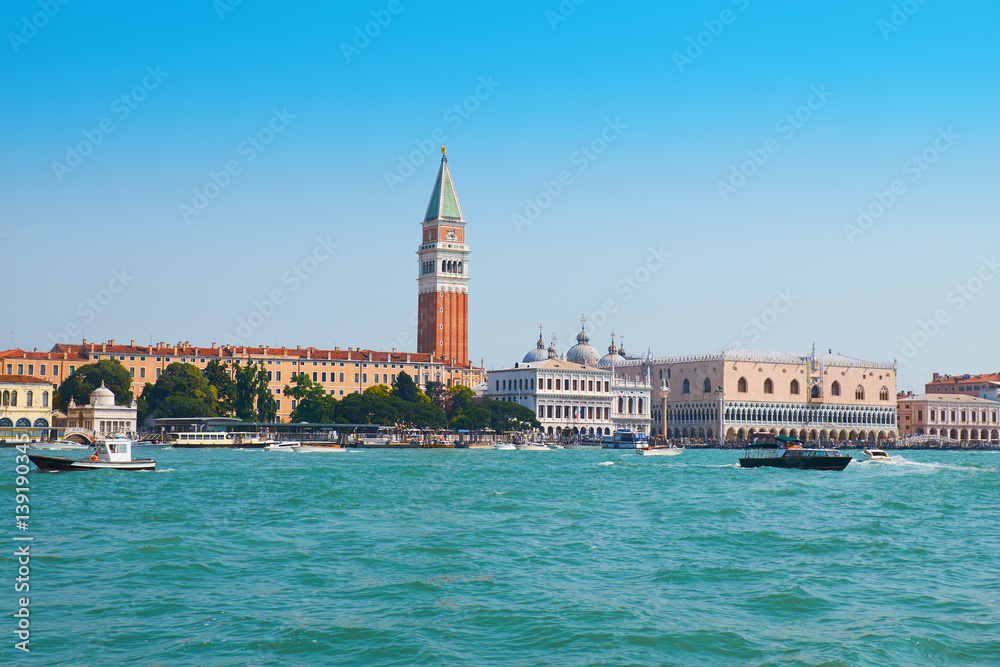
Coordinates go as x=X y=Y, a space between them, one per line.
x=539 y=352
x=583 y=352
x=102 y=396
x=612 y=358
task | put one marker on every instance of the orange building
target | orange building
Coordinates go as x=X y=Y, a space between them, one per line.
x=340 y=372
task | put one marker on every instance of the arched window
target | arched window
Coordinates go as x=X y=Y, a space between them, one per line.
x=741 y=386
x=707 y=386
x=30 y=399
x=686 y=389
x=13 y=398
x=459 y=267
x=444 y=265
x=6 y=398
x=768 y=386
x=883 y=395
x=621 y=404
x=498 y=385
x=640 y=406
x=793 y=388
x=815 y=391
x=835 y=389
x=630 y=406
x=45 y=399
x=859 y=393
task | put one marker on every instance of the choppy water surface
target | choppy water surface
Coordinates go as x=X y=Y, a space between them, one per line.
x=485 y=557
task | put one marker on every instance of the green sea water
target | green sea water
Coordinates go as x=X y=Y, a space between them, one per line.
x=485 y=557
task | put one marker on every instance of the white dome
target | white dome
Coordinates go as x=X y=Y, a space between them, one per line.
x=583 y=352
x=102 y=396
x=538 y=353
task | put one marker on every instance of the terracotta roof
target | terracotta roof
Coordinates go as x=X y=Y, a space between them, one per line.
x=227 y=352
x=962 y=379
x=23 y=379
x=950 y=398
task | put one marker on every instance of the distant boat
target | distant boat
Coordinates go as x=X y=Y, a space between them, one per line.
x=876 y=455
x=624 y=438
x=785 y=452
x=504 y=446
x=113 y=453
x=661 y=450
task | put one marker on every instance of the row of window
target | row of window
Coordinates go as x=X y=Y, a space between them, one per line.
x=9 y=399
x=31 y=369
x=572 y=412
x=561 y=384
x=195 y=360
x=976 y=416
x=742 y=386
x=23 y=423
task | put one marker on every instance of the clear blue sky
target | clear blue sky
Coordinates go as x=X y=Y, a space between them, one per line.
x=184 y=86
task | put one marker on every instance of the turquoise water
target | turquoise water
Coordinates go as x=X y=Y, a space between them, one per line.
x=484 y=557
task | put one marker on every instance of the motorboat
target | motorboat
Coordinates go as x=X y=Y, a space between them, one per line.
x=876 y=455
x=506 y=446
x=786 y=452
x=283 y=446
x=533 y=447
x=624 y=438
x=59 y=445
x=661 y=450
x=112 y=453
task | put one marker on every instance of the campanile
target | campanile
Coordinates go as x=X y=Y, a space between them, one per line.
x=443 y=274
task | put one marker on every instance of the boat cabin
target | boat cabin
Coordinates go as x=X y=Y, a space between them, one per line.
x=114 y=450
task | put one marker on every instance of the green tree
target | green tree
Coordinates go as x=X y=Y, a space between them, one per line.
x=405 y=388
x=461 y=400
x=181 y=391
x=86 y=379
x=312 y=403
x=246 y=388
x=220 y=376
x=378 y=390
x=507 y=416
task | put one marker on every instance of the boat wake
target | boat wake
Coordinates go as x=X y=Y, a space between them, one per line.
x=899 y=461
x=606 y=463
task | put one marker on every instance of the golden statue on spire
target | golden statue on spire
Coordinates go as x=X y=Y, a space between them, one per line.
x=443 y=149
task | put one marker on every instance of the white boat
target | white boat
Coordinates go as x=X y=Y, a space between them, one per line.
x=624 y=438
x=506 y=446
x=283 y=446
x=60 y=445
x=210 y=439
x=661 y=450
x=112 y=453
x=876 y=455
x=533 y=447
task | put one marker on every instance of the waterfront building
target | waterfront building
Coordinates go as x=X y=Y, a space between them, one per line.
x=816 y=397
x=984 y=385
x=968 y=419
x=573 y=398
x=25 y=406
x=443 y=275
x=339 y=372
x=101 y=415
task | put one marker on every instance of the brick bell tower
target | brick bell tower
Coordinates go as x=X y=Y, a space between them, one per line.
x=443 y=274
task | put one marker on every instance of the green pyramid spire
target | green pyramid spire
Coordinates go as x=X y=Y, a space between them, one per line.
x=444 y=201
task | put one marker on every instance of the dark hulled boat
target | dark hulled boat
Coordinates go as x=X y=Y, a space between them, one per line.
x=785 y=452
x=113 y=453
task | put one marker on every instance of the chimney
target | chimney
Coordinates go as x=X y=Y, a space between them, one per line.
x=393 y=349
x=336 y=349
x=84 y=342
x=309 y=353
x=407 y=357
x=264 y=347
x=348 y=354
x=369 y=355
x=111 y=342
x=936 y=376
x=213 y=346
x=132 y=344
